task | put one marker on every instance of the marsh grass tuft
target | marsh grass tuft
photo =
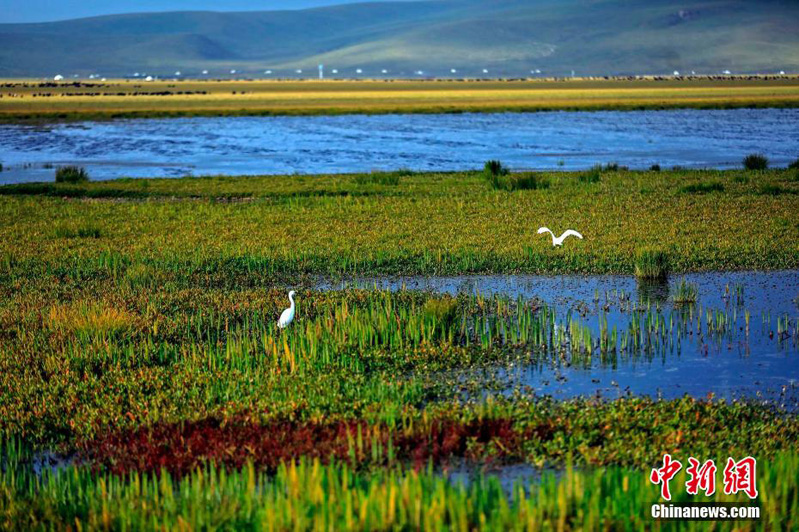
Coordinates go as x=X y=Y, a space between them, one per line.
x=702 y=188
x=651 y=264
x=441 y=311
x=83 y=231
x=89 y=319
x=794 y=165
x=685 y=293
x=594 y=175
x=654 y=168
x=380 y=178
x=772 y=190
x=522 y=181
x=71 y=174
x=495 y=168
x=755 y=161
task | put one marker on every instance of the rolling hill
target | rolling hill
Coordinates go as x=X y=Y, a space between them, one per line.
x=507 y=37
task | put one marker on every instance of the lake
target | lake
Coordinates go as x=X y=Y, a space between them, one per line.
x=356 y=143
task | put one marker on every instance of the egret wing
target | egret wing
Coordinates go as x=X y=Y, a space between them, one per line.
x=571 y=232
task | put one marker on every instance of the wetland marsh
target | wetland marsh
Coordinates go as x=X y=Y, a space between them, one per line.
x=435 y=331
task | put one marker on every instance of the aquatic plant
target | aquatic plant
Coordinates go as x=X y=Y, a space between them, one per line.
x=755 y=161
x=71 y=174
x=308 y=495
x=651 y=263
x=685 y=293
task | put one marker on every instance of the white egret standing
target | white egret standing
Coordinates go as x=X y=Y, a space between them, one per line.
x=559 y=240
x=288 y=315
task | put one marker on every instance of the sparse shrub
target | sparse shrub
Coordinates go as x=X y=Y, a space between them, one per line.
x=495 y=168
x=755 y=161
x=71 y=174
x=594 y=175
x=685 y=293
x=612 y=167
x=793 y=166
x=654 y=168
x=702 y=188
x=651 y=264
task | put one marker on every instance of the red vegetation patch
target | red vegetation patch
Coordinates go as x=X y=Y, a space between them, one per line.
x=180 y=448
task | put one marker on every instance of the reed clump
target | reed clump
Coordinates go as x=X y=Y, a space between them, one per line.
x=652 y=264
x=71 y=174
x=756 y=161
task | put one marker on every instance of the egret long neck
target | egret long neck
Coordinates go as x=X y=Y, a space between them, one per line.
x=291 y=298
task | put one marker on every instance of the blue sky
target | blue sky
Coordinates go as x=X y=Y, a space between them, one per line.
x=47 y=10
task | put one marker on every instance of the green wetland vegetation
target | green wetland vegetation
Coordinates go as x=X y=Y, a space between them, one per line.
x=139 y=346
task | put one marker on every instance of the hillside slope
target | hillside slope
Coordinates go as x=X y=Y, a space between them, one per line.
x=507 y=37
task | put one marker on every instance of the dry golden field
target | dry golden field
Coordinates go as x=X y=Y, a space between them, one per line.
x=33 y=99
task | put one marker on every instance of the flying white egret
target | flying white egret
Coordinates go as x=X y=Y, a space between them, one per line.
x=288 y=315
x=559 y=240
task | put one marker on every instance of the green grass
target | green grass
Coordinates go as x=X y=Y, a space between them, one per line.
x=702 y=188
x=309 y=495
x=209 y=229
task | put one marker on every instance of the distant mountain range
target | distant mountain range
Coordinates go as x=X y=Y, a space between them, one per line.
x=506 y=37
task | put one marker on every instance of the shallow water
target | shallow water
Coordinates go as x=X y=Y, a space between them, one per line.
x=357 y=143
x=757 y=364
